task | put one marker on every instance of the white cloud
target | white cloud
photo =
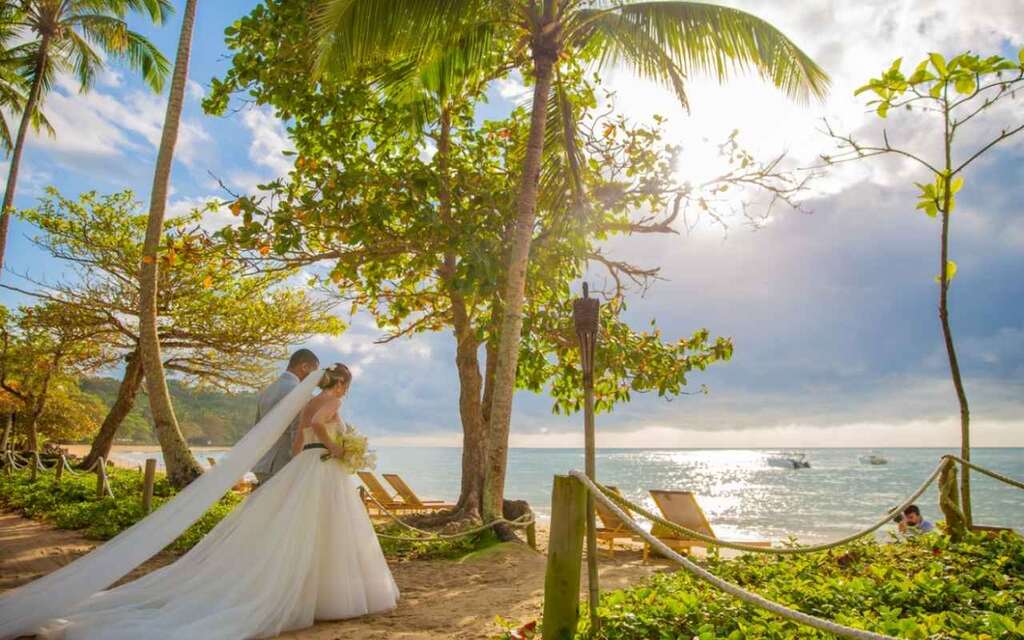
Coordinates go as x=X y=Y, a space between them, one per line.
x=195 y=90
x=269 y=141
x=512 y=88
x=213 y=220
x=100 y=124
x=853 y=42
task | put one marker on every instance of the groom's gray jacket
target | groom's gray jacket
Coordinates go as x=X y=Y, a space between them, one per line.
x=279 y=454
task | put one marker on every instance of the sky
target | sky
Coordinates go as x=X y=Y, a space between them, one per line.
x=833 y=310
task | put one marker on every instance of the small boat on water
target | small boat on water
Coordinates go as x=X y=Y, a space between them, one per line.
x=790 y=461
x=874 y=458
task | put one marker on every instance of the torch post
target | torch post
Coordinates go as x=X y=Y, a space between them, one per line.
x=586 y=316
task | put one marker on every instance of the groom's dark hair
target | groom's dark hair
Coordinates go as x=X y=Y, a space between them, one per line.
x=301 y=357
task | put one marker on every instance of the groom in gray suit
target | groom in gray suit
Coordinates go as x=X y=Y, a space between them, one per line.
x=302 y=363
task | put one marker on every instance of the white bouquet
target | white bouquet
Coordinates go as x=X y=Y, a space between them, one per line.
x=356 y=455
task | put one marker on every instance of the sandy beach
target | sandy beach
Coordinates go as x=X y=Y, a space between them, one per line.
x=441 y=599
x=80 y=450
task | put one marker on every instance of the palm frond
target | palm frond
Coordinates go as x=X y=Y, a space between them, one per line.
x=83 y=59
x=697 y=38
x=352 y=33
x=561 y=177
x=112 y=34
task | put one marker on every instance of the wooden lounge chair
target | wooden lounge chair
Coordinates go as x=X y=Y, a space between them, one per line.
x=681 y=507
x=410 y=498
x=612 y=526
x=381 y=494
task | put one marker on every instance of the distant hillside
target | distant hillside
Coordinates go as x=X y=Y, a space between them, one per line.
x=205 y=417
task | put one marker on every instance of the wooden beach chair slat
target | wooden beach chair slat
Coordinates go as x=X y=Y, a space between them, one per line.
x=612 y=527
x=409 y=496
x=381 y=494
x=682 y=508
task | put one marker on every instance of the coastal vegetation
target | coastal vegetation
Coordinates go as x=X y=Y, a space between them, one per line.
x=72 y=504
x=919 y=588
x=409 y=201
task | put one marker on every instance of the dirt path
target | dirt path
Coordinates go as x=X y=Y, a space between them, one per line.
x=449 y=599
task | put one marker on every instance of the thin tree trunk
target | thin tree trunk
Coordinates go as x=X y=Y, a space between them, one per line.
x=947 y=331
x=474 y=451
x=474 y=441
x=19 y=144
x=8 y=427
x=545 y=53
x=182 y=467
x=40 y=404
x=954 y=369
x=123 y=404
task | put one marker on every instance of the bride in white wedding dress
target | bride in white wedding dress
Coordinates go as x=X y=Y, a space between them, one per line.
x=300 y=548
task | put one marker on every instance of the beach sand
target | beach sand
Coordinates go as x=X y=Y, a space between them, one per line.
x=80 y=451
x=450 y=599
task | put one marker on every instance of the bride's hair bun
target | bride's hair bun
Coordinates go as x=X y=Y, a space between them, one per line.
x=334 y=375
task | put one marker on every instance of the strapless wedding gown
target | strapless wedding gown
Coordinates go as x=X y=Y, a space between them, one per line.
x=300 y=548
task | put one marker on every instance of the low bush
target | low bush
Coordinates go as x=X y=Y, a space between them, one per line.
x=923 y=588
x=72 y=504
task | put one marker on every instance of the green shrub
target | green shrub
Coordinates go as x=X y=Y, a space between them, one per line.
x=927 y=587
x=437 y=549
x=72 y=503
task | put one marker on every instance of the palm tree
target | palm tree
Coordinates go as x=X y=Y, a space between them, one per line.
x=63 y=34
x=182 y=467
x=661 y=41
x=13 y=84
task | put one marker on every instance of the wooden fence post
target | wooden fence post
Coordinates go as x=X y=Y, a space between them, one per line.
x=949 y=501
x=58 y=471
x=565 y=556
x=531 y=535
x=34 y=463
x=100 y=476
x=147 y=485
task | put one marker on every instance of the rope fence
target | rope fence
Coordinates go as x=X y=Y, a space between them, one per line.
x=568 y=521
x=988 y=472
x=732 y=589
x=525 y=520
x=17 y=462
x=628 y=505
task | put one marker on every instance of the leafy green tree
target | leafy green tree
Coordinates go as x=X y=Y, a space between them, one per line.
x=42 y=349
x=662 y=41
x=420 y=241
x=945 y=95
x=72 y=36
x=221 y=324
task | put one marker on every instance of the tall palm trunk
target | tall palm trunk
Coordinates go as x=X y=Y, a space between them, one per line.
x=947 y=331
x=182 y=467
x=123 y=404
x=19 y=143
x=545 y=53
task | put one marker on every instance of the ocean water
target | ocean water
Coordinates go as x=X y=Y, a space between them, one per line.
x=743 y=495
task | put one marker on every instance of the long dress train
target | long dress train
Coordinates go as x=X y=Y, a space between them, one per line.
x=300 y=548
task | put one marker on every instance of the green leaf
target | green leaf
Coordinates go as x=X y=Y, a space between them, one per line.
x=883 y=109
x=957 y=184
x=965 y=85
x=939 y=63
